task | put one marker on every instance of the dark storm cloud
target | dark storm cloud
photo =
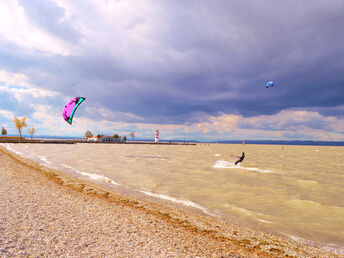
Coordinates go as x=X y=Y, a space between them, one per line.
x=234 y=48
x=295 y=43
x=207 y=58
x=337 y=111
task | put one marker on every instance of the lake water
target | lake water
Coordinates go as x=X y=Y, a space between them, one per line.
x=294 y=190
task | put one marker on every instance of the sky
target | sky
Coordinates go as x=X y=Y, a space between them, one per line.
x=194 y=70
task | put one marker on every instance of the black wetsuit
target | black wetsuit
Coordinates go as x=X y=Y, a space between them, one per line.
x=241 y=158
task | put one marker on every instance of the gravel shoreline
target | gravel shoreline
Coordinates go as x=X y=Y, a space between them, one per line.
x=44 y=212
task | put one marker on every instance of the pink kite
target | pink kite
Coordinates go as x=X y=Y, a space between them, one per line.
x=70 y=107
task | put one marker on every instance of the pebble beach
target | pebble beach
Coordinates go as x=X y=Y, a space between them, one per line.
x=44 y=212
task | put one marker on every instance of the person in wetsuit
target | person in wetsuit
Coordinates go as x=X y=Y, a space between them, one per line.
x=240 y=158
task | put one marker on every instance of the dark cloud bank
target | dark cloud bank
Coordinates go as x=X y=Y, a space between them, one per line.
x=207 y=58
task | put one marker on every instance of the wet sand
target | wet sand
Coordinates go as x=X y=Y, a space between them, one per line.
x=45 y=212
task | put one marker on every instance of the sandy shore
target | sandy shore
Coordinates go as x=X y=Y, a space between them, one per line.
x=44 y=212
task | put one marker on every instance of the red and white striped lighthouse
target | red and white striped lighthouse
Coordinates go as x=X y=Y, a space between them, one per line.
x=156 y=135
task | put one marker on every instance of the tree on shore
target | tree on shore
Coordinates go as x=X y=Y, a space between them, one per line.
x=31 y=131
x=132 y=135
x=124 y=138
x=19 y=123
x=116 y=136
x=3 y=131
x=88 y=134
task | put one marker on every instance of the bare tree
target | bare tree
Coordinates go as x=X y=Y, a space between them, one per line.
x=88 y=134
x=3 y=131
x=31 y=131
x=19 y=123
x=132 y=135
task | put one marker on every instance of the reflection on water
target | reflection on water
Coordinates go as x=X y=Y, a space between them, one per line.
x=296 y=190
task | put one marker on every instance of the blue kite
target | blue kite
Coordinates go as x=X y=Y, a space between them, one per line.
x=270 y=84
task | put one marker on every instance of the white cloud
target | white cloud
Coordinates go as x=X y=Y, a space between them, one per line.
x=18 y=85
x=48 y=121
x=9 y=78
x=17 y=28
x=287 y=124
x=129 y=31
x=7 y=114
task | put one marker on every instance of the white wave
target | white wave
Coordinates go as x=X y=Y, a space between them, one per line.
x=329 y=247
x=224 y=164
x=305 y=181
x=67 y=166
x=9 y=148
x=227 y=164
x=99 y=177
x=253 y=214
x=241 y=210
x=45 y=160
x=297 y=238
x=258 y=170
x=175 y=200
x=92 y=176
x=265 y=221
x=303 y=202
x=334 y=248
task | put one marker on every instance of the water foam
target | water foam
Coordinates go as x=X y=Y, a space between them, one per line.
x=334 y=248
x=9 y=148
x=227 y=164
x=45 y=160
x=265 y=221
x=175 y=200
x=241 y=210
x=329 y=247
x=305 y=181
x=252 y=214
x=48 y=162
x=92 y=176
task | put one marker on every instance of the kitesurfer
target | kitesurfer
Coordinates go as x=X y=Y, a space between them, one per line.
x=240 y=158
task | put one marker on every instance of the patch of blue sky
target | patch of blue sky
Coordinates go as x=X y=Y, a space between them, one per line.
x=17 y=87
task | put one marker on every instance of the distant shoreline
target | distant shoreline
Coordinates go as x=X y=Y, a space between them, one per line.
x=65 y=141
x=61 y=139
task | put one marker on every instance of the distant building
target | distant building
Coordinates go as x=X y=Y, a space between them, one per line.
x=93 y=139
x=104 y=139
x=108 y=139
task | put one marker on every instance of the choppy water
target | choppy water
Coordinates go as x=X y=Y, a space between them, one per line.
x=297 y=190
